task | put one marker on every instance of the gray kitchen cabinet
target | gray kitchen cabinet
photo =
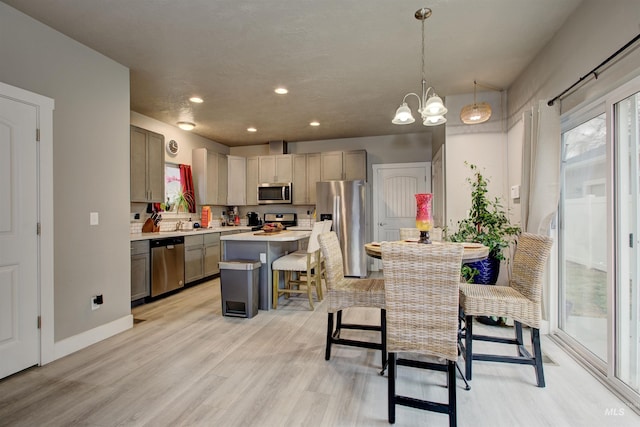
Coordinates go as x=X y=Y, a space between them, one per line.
x=306 y=172
x=237 y=167
x=210 y=177
x=252 y=181
x=140 y=270
x=343 y=165
x=193 y=258
x=211 y=254
x=146 y=165
x=201 y=256
x=275 y=168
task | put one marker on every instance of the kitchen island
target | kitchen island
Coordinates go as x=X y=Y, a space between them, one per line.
x=266 y=247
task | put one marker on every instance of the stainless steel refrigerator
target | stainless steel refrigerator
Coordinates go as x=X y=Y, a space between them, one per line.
x=344 y=202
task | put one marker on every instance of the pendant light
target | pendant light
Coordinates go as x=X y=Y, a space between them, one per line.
x=431 y=109
x=475 y=113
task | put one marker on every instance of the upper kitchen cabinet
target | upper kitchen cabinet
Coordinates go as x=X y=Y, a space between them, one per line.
x=306 y=172
x=237 y=195
x=147 y=165
x=252 y=181
x=276 y=168
x=343 y=165
x=210 y=177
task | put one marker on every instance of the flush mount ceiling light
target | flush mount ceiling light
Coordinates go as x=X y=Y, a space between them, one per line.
x=477 y=112
x=314 y=123
x=186 y=125
x=281 y=91
x=431 y=108
x=196 y=99
x=252 y=129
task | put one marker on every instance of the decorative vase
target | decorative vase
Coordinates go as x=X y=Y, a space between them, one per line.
x=424 y=221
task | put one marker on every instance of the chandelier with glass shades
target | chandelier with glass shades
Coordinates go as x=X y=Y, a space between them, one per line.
x=431 y=108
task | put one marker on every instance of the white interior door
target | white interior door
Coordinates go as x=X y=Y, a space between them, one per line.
x=19 y=337
x=394 y=203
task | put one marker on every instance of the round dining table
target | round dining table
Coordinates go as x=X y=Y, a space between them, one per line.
x=472 y=251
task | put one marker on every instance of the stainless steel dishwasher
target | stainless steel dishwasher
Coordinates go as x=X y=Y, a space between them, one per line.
x=167 y=265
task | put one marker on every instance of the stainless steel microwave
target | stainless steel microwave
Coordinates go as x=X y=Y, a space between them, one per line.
x=272 y=193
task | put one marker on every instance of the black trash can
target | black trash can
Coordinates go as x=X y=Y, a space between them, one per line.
x=239 y=287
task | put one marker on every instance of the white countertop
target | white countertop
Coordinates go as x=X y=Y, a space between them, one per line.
x=163 y=234
x=255 y=236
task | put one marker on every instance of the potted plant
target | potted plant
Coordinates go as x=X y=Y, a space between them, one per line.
x=182 y=201
x=488 y=224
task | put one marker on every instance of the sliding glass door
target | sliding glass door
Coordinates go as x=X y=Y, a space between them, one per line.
x=598 y=237
x=627 y=299
x=583 y=266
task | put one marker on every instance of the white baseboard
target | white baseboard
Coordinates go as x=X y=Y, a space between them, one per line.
x=92 y=336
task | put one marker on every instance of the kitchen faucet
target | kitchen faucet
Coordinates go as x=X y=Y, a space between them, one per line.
x=178 y=225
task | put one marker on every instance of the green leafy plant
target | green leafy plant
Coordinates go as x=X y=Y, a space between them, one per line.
x=182 y=200
x=487 y=222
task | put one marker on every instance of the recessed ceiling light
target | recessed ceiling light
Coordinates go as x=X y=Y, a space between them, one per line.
x=186 y=125
x=196 y=99
x=315 y=123
x=281 y=91
x=252 y=129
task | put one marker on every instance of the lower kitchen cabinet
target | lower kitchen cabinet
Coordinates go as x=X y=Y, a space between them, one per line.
x=211 y=254
x=140 y=268
x=201 y=256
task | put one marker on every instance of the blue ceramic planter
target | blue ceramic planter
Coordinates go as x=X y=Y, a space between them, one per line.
x=488 y=270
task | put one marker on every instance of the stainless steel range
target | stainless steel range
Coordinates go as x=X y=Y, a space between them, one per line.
x=286 y=219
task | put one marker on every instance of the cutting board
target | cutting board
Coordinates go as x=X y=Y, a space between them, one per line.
x=269 y=233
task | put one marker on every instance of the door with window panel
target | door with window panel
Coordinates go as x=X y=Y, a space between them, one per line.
x=627 y=298
x=583 y=236
x=599 y=218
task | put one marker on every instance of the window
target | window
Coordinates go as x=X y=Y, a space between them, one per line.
x=172 y=185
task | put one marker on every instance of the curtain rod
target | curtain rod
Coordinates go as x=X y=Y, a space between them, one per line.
x=594 y=72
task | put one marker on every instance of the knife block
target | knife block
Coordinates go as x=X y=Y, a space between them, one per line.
x=150 y=227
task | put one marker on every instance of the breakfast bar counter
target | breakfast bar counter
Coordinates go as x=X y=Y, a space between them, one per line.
x=265 y=247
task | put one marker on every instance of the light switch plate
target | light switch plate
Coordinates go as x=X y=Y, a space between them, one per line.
x=515 y=191
x=94 y=218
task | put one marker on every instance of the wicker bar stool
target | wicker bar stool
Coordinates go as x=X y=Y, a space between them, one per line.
x=421 y=297
x=301 y=268
x=521 y=301
x=344 y=293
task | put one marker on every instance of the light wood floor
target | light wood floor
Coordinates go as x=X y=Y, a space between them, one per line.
x=184 y=364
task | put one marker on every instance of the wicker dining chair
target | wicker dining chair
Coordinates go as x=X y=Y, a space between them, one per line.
x=421 y=298
x=520 y=300
x=343 y=293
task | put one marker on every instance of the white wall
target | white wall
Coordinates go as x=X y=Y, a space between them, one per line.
x=90 y=166
x=595 y=31
x=488 y=152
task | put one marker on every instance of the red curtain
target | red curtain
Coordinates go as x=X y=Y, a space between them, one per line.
x=187 y=186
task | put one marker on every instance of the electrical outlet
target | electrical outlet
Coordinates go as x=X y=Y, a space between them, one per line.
x=96 y=302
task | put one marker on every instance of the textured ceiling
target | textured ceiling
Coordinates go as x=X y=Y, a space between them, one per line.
x=346 y=63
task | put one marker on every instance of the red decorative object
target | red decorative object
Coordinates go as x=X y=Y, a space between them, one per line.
x=424 y=220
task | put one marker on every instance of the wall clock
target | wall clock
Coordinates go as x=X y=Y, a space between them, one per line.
x=172 y=147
